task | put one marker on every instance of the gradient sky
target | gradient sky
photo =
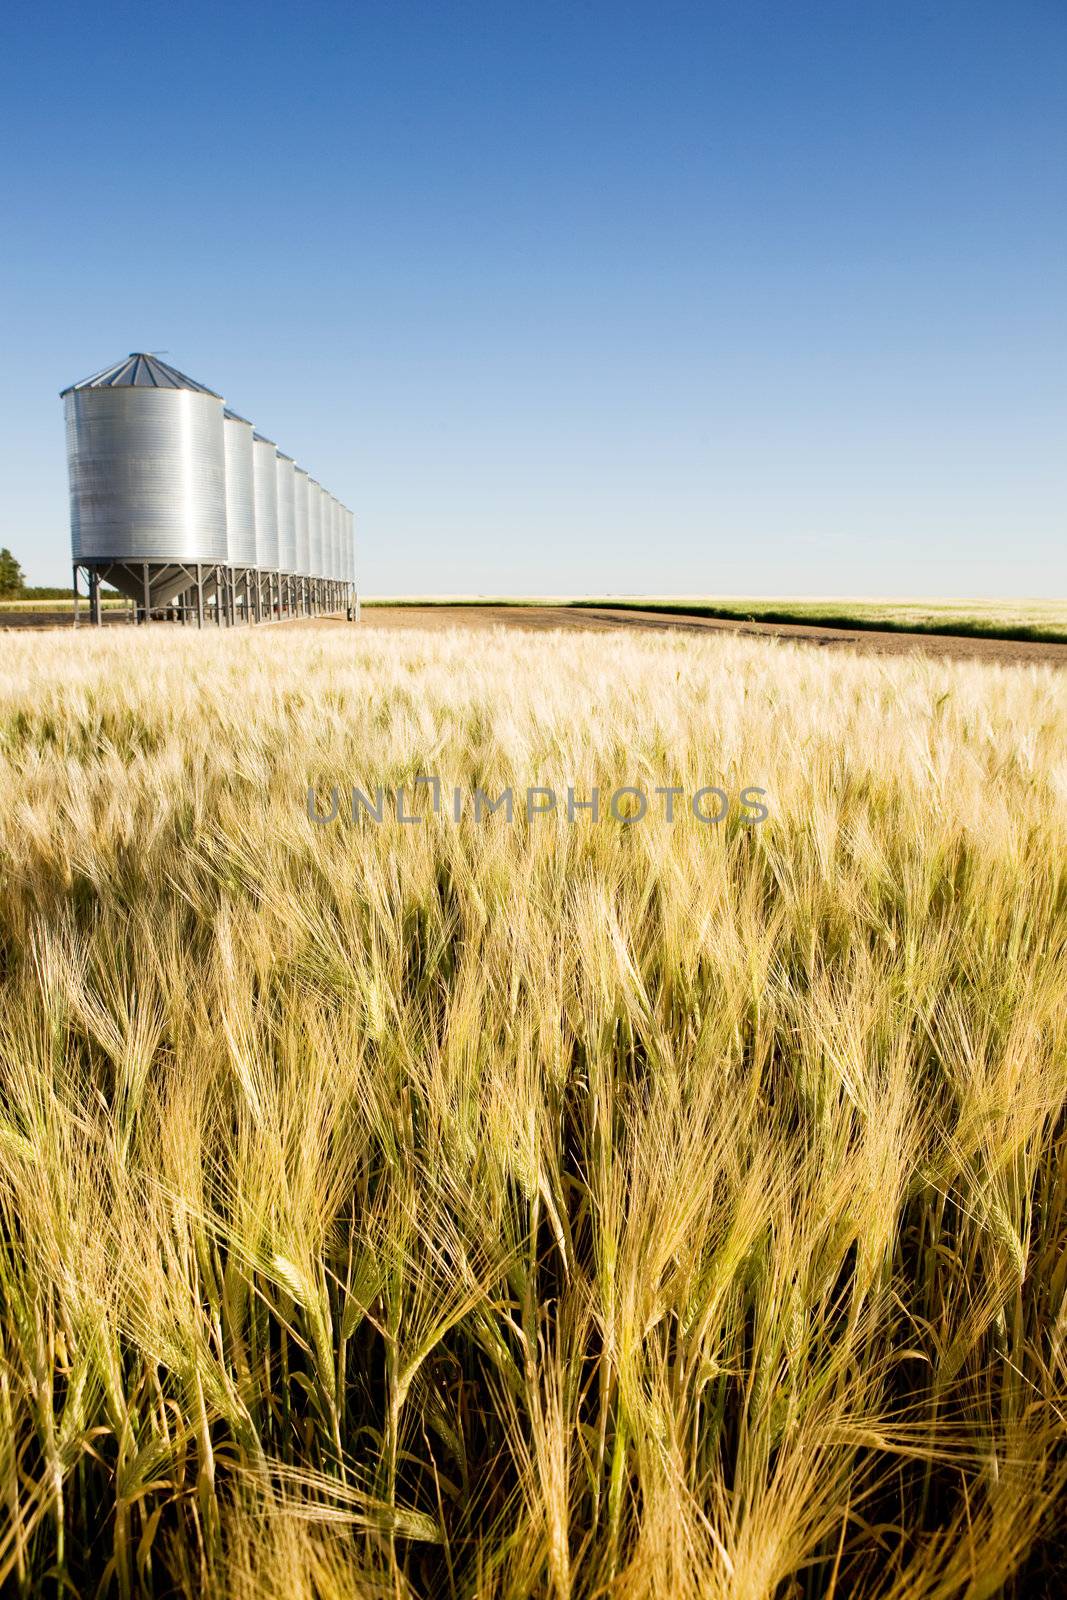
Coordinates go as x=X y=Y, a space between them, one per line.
x=745 y=298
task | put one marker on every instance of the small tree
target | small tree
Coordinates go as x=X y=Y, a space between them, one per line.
x=12 y=581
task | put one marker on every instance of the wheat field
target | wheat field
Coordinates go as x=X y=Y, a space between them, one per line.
x=544 y=1208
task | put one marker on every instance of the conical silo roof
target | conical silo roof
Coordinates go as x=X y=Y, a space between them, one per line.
x=141 y=371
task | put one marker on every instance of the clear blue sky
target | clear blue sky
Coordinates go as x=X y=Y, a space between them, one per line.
x=764 y=298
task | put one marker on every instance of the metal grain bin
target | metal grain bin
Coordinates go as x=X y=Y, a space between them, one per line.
x=146 y=458
x=286 y=514
x=314 y=527
x=351 y=525
x=265 y=486
x=240 y=500
x=325 y=552
x=327 y=534
x=300 y=519
x=335 y=538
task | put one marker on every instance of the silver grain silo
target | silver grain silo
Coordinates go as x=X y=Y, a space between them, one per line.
x=324 y=553
x=265 y=485
x=147 y=464
x=240 y=502
x=286 y=513
x=333 y=544
x=331 y=512
x=342 y=563
x=314 y=528
x=335 y=540
x=300 y=519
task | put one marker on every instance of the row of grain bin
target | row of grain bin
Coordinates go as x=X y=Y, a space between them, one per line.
x=180 y=504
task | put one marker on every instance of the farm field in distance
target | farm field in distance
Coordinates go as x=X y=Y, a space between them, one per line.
x=1035 y=620
x=484 y=616
x=1031 y=621
x=562 y=1205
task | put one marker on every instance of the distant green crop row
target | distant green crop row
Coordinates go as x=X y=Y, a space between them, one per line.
x=990 y=619
x=1037 y=620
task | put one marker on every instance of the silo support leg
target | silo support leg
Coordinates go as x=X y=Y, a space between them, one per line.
x=75 y=597
x=199 y=595
x=94 y=599
x=147 y=591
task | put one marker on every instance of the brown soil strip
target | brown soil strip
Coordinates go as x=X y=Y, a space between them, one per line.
x=1011 y=652
x=599 y=619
